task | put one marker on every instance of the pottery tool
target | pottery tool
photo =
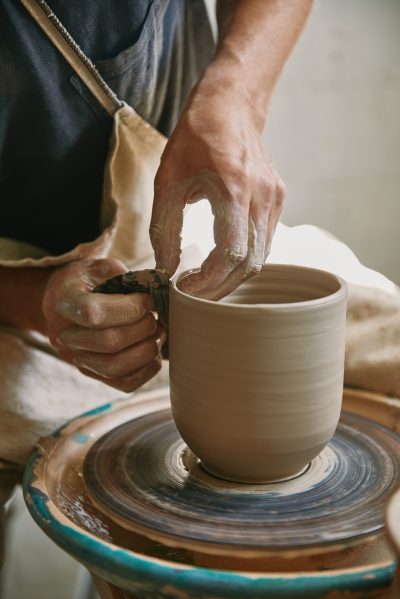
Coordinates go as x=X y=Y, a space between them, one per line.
x=143 y=476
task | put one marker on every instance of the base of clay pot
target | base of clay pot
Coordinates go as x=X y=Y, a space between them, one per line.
x=251 y=481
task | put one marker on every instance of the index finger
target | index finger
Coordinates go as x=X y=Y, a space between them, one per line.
x=166 y=224
x=100 y=311
x=231 y=235
x=256 y=255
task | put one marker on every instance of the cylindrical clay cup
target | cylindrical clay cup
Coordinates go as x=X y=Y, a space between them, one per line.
x=257 y=378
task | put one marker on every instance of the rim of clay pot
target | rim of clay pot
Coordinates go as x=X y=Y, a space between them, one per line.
x=284 y=306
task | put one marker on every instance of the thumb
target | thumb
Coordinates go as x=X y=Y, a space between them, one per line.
x=103 y=269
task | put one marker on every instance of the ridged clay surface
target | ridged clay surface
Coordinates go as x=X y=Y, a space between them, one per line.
x=257 y=378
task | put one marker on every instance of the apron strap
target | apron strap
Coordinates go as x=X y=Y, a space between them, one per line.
x=81 y=64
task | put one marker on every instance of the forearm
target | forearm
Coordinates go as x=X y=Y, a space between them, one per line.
x=216 y=150
x=21 y=293
x=256 y=37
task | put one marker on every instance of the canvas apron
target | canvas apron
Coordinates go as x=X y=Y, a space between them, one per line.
x=38 y=391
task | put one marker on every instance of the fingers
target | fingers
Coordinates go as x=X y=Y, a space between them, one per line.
x=231 y=244
x=228 y=265
x=100 y=311
x=131 y=381
x=68 y=296
x=275 y=212
x=251 y=265
x=223 y=285
x=126 y=369
x=105 y=268
x=166 y=224
x=246 y=207
x=113 y=338
x=263 y=219
x=124 y=362
x=110 y=340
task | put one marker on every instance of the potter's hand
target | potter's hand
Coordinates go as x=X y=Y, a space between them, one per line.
x=115 y=338
x=216 y=150
x=216 y=153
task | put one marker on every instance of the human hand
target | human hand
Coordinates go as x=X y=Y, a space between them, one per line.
x=112 y=338
x=216 y=153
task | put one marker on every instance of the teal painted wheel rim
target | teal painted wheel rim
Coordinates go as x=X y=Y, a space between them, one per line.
x=157 y=578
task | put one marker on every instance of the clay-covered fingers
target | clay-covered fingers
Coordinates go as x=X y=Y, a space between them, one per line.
x=118 y=342
x=122 y=363
x=264 y=216
x=243 y=232
x=132 y=380
x=224 y=270
x=279 y=194
x=230 y=208
x=109 y=340
x=113 y=338
x=100 y=311
x=166 y=224
x=68 y=298
x=240 y=236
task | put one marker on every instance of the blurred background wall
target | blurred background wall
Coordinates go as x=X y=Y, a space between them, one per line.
x=334 y=128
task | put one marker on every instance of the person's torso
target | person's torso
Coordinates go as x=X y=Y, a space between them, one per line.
x=53 y=133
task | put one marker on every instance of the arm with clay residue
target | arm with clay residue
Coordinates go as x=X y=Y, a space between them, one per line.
x=216 y=150
x=114 y=339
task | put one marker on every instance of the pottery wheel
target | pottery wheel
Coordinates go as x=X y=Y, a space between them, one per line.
x=142 y=475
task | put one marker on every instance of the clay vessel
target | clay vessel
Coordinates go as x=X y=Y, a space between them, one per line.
x=257 y=378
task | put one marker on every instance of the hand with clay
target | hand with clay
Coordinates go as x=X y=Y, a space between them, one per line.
x=115 y=339
x=216 y=150
x=214 y=154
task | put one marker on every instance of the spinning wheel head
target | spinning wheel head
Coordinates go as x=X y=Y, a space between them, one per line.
x=143 y=476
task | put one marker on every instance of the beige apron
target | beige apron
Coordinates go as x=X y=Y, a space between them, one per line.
x=38 y=391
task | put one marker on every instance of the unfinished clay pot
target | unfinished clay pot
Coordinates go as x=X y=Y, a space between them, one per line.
x=257 y=378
